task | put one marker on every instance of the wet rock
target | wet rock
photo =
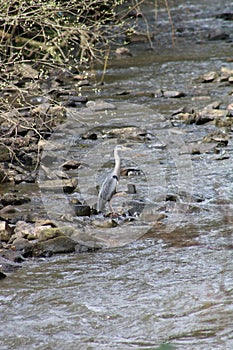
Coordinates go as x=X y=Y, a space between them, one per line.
x=109 y=223
x=5 y=231
x=204 y=116
x=9 y=209
x=46 y=233
x=67 y=186
x=195 y=148
x=13 y=199
x=2 y=274
x=23 y=230
x=52 y=174
x=227 y=16
x=22 y=245
x=208 y=77
x=158 y=93
x=218 y=136
x=7 y=263
x=12 y=256
x=36 y=100
x=82 y=210
x=123 y=52
x=222 y=155
x=74 y=101
x=130 y=171
x=130 y=132
x=173 y=94
x=90 y=135
x=226 y=74
x=57 y=245
x=29 y=177
x=131 y=189
x=136 y=207
x=218 y=35
x=71 y=164
x=100 y=106
x=187 y=118
x=137 y=37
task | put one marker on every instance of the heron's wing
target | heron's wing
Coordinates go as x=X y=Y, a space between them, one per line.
x=108 y=189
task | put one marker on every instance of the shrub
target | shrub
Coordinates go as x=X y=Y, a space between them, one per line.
x=56 y=30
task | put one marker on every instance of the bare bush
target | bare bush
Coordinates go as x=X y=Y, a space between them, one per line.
x=56 y=30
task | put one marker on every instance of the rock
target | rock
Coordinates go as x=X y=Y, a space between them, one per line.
x=208 y=77
x=128 y=132
x=36 y=100
x=7 y=264
x=218 y=35
x=226 y=74
x=82 y=210
x=23 y=230
x=13 y=199
x=100 y=106
x=71 y=164
x=57 y=245
x=197 y=148
x=90 y=135
x=2 y=275
x=220 y=137
x=5 y=231
x=185 y=117
x=51 y=174
x=173 y=94
x=12 y=256
x=45 y=233
x=136 y=207
x=122 y=52
x=74 y=101
x=205 y=116
x=227 y=16
x=9 y=209
x=158 y=93
x=21 y=244
x=109 y=223
x=67 y=186
x=130 y=171
x=137 y=37
x=29 y=177
x=131 y=189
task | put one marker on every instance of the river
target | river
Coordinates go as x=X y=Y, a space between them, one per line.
x=152 y=283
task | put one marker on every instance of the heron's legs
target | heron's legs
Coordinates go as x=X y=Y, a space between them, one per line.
x=111 y=208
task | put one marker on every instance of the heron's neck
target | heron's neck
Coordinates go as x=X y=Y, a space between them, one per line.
x=117 y=163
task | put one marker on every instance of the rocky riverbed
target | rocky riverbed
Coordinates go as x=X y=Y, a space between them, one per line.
x=32 y=153
x=27 y=236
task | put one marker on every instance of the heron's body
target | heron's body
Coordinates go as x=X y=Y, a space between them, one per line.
x=108 y=188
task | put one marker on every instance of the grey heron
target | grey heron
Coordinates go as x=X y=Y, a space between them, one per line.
x=108 y=188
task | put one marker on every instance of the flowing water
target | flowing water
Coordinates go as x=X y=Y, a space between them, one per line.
x=153 y=282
